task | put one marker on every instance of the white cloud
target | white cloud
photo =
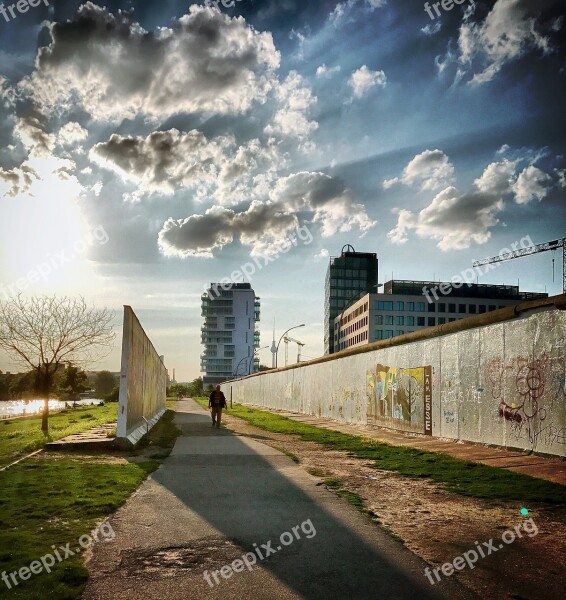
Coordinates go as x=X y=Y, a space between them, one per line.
x=531 y=184
x=291 y=120
x=364 y=79
x=71 y=133
x=429 y=170
x=112 y=68
x=432 y=29
x=324 y=71
x=510 y=31
x=497 y=178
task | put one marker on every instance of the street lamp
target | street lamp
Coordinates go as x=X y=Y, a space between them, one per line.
x=284 y=334
x=252 y=357
x=235 y=373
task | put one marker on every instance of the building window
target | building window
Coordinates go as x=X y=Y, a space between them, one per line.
x=431 y=322
x=472 y=309
x=420 y=321
x=384 y=305
x=400 y=332
x=432 y=308
x=481 y=308
x=389 y=319
x=388 y=333
x=492 y=307
x=378 y=334
x=462 y=308
x=441 y=320
x=420 y=307
x=441 y=307
x=410 y=321
x=379 y=319
x=410 y=306
x=452 y=308
x=399 y=320
x=451 y=320
x=399 y=306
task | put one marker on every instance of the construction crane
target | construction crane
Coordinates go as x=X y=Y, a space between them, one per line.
x=288 y=339
x=553 y=245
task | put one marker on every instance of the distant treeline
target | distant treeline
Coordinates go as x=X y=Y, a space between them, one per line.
x=70 y=382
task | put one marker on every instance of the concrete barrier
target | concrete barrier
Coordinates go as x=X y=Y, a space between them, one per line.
x=143 y=383
x=497 y=378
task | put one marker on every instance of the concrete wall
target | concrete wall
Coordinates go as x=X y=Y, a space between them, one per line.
x=495 y=379
x=143 y=382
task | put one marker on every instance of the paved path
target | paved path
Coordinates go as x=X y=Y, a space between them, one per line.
x=521 y=461
x=220 y=495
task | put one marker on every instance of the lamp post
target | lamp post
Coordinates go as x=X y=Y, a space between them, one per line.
x=235 y=373
x=252 y=357
x=284 y=334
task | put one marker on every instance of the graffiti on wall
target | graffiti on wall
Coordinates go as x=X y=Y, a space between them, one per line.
x=402 y=396
x=527 y=377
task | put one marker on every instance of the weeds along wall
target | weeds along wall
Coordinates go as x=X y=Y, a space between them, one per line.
x=143 y=382
x=496 y=379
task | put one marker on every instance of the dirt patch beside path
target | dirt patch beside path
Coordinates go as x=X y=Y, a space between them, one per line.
x=438 y=525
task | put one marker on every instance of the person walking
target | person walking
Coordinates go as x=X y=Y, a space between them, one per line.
x=216 y=402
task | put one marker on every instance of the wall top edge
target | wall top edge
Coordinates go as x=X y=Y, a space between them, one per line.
x=497 y=316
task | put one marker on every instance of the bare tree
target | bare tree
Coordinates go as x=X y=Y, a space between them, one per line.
x=47 y=332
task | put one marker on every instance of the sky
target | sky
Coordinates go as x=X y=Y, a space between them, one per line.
x=151 y=148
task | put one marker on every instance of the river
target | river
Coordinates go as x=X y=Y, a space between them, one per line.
x=16 y=408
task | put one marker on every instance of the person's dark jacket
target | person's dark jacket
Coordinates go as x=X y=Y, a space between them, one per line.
x=213 y=402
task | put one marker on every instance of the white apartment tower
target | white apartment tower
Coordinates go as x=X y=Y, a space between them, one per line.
x=229 y=333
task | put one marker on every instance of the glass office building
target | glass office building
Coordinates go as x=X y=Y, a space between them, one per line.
x=407 y=306
x=349 y=276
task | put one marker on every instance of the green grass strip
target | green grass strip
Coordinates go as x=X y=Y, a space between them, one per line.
x=48 y=501
x=457 y=475
x=23 y=435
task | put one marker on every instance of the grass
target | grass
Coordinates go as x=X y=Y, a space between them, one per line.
x=23 y=435
x=460 y=476
x=48 y=501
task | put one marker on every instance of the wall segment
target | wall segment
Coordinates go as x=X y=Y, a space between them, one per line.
x=498 y=378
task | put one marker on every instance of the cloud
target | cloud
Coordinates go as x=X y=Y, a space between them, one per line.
x=71 y=133
x=457 y=220
x=532 y=183
x=264 y=225
x=19 y=180
x=497 y=178
x=33 y=136
x=324 y=71
x=510 y=31
x=291 y=119
x=364 y=79
x=431 y=29
x=429 y=170
x=333 y=205
x=114 y=69
x=164 y=160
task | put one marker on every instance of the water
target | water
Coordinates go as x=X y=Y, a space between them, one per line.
x=16 y=408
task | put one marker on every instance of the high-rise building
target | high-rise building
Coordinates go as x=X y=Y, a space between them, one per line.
x=407 y=306
x=348 y=276
x=229 y=332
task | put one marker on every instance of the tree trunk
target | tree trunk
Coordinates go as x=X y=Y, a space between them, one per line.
x=45 y=416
